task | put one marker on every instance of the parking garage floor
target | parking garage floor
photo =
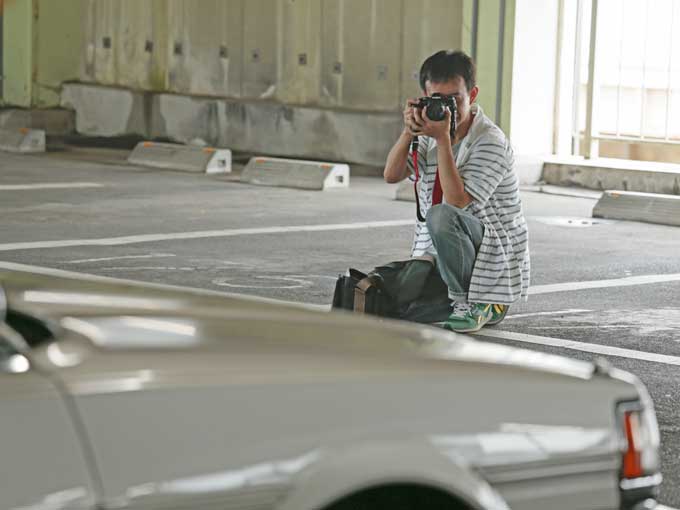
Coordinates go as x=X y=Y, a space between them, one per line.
x=599 y=288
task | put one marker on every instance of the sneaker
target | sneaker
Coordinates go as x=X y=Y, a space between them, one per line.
x=467 y=318
x=497 y=314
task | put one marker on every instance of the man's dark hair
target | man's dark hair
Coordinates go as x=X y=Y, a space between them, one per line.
x=446 y=65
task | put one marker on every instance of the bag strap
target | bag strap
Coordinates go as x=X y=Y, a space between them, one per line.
x=360 y=291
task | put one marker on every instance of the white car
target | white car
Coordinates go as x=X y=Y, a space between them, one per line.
x=116 y=395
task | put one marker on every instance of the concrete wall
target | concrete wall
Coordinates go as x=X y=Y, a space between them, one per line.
x=428 y=27
x=354 y=54
x=330 y=65
x=350 y=54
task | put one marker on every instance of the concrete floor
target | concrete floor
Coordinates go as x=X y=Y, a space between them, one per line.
x=118 y=201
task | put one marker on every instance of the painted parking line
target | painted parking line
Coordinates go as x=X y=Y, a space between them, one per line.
x=102 y=259
x=555 y=312
x=202 y=234
x=49 y=185
x=581 y=346
x=601 y=284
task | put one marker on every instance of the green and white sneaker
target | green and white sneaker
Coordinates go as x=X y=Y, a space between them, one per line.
x=468 y=317
x=498 y=314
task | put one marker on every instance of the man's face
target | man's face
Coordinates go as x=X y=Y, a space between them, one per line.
x=455 y=87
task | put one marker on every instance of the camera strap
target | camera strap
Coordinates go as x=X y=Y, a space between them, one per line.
x=414 y=147
x=437 y=193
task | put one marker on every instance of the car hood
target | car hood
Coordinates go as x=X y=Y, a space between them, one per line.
x=120 y=327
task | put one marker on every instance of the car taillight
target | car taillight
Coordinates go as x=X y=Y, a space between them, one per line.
x=639 y=440
x=632 y=455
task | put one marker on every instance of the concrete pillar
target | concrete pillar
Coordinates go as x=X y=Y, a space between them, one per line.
x=57 y=39
x=41 y=48
x=17 y=52
x=1 y=55
x=495 y=35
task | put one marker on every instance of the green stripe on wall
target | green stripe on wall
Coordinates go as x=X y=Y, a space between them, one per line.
x=494 y=89
x=17 y=48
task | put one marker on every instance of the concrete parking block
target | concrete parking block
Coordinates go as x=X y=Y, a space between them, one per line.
x=22 y=140
x=188 y=158
x=293 y=173
x=634 y=206
x=608 y=174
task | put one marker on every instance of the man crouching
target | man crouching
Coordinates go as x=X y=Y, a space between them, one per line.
x=469 y=208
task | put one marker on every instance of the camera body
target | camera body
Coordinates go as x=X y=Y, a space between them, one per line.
x=436 y=106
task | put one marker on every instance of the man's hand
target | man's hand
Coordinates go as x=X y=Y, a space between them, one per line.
x=411 y=125
x=440 y=130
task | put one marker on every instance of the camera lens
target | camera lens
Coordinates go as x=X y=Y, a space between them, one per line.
x=436 y=111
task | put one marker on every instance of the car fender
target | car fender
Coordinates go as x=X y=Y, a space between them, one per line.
x=341 y=471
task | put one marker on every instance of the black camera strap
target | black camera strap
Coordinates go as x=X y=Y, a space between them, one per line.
x=414 y=155
x=450 y=103
x=436 y=192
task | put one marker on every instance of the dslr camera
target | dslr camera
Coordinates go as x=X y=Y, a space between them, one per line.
x=436 y=105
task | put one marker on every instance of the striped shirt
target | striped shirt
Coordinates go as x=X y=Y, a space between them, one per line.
x=485 y=162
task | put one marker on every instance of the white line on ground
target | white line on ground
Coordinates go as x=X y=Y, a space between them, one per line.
x=49 y=185
x=581 y=346
x=557 y=312
x=600 y=284
x=203 y=234
x=149 y=256
x=587 y=326
x=149 y=268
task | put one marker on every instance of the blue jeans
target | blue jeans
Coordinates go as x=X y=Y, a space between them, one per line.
x=456 y=235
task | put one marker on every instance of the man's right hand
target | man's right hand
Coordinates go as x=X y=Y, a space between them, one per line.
x=413 y=122
x=396 y=166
